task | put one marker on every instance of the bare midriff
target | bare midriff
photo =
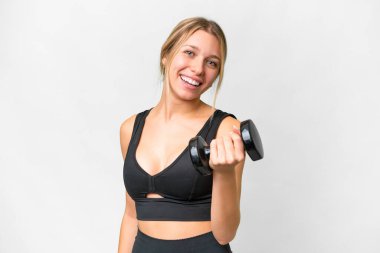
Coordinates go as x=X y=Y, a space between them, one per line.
x=173 y=230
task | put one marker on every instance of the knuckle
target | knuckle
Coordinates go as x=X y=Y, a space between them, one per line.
x=240 y=158
x=230 y=161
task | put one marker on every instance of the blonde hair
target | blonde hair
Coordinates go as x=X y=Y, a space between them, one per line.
x=181 y=32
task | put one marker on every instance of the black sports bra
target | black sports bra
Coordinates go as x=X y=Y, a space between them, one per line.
x=186 y=194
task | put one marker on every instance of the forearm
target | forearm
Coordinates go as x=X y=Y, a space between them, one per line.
x=128 y=231
x=225 y=209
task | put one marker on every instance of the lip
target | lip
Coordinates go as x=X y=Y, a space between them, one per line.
x=194 y=78
x=188 y=86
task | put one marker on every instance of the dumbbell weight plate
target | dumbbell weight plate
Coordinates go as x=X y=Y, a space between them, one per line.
x=251 y=140
x=200 y=155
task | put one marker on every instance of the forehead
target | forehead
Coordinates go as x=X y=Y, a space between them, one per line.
x=205 y=42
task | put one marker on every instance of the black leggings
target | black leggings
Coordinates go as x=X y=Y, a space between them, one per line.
x=204 y=243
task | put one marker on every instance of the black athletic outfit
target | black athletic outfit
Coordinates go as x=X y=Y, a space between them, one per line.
x=186 y=194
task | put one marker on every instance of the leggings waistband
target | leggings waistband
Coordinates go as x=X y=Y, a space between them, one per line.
x=200 y=243
x=198 y=238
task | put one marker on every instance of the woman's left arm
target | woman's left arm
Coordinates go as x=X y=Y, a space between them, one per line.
x=227 y=156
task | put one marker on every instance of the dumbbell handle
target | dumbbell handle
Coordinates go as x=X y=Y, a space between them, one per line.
x=207 y=152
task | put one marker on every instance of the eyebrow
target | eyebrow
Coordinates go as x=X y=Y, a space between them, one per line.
x=214 y=56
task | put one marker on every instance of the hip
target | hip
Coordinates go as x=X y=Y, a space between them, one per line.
x=205 y=243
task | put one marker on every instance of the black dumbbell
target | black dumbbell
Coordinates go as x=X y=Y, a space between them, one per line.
x=200 y=150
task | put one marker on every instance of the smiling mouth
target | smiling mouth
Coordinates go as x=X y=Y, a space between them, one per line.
x=190 y=81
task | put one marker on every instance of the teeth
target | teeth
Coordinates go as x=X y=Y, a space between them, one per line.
x=189 y=80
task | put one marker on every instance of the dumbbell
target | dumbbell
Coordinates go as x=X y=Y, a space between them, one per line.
x=200 y=151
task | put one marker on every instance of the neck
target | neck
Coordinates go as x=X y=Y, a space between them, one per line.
x=171 y=107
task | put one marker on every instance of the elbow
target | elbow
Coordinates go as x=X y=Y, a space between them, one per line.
x=225 y=230
x=224 y=238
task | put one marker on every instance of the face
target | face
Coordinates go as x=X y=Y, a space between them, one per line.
x=195 y=67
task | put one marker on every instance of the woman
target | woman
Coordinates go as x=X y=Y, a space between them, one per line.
x=169 y=206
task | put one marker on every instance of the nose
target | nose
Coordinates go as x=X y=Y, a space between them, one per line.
x=197 y=66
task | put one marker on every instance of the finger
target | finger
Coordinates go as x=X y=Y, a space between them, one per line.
x=213 y=151
x=221 y=150
x=236 y=130
x=229 y=148
x=238 y=146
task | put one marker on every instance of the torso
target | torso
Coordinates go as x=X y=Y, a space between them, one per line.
x=158 y=147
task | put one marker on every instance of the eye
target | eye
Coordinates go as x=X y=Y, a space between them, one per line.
x=188 y=52
x=213 y=64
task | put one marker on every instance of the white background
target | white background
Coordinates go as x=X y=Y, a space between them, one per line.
x=306 y=72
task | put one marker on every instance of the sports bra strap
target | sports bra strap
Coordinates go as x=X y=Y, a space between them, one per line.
x=136 y=125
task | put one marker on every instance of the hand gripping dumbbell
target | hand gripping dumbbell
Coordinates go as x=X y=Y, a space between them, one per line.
x=200 y=150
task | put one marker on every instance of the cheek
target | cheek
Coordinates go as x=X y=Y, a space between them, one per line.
x=213 y=75
x=179 y=59
x=179 y=62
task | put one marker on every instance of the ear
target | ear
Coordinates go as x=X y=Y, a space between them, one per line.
x=164 y=60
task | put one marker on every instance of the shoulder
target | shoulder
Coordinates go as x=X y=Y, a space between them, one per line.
x=226 y=125
x=126 y=126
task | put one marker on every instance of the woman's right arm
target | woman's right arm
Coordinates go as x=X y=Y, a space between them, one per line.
x=128 y=229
